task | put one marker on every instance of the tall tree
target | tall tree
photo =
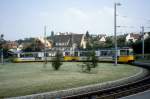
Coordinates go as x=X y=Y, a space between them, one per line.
x=52 y=34
x=121 y=41
x=2 y=41
x=2 y=36
x=91 y=62
x=56 y=62
x=87 y=34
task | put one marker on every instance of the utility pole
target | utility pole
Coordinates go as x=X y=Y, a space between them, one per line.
x=2 y=55
x=72 y=44
x=143 y=45
x=115 y=31
x=115 y=34
x=45 y=57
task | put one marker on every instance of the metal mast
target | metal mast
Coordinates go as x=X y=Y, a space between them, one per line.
x=115 y=30
x=45 y=58
x=143 y=41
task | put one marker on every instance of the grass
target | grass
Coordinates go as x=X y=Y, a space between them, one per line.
x=145 y=61
x=18 y=79
x=146 y=58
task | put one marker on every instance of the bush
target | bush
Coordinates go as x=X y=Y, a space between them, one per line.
x=91 y=62
x=56 y=62
x=94 y=59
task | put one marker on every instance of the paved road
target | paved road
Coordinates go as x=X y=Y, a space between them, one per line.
x=142 y=95
x=141 y=63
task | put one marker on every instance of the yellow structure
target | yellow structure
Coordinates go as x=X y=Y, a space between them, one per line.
x=71 y=58
x=126 y=58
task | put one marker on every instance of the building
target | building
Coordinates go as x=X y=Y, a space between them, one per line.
x=10 y=45
x=136 y=36
x=43 y=42
x=69 y=41
x=102 y=38
x=132 y=37
x=146 y=35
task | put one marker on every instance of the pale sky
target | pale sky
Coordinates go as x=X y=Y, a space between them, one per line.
x=26 y=18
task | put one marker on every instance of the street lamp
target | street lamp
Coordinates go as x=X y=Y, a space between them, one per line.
x=115 y=29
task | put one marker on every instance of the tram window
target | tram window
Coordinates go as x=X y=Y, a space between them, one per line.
x=46 y=54
x=127 y=52
x=76 y=54
x=109 y=53
x=130 y=52
x=67 y=53
x=87 y=53
x=123 y=52
x=22 y=55
x=35 y=55
x=103 y=53
x=81 y=53
x=29 y=55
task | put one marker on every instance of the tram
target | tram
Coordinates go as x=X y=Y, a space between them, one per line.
x=123 y=55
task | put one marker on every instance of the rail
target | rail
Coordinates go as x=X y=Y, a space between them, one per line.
x=118 y=91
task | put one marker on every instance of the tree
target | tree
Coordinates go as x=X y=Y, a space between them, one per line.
x=2 y=39
x=121 y=41
x=147 y=47
x=2 y=36
x=56 y=62
x=91 y=62
x=52 y=34
x=94 y=59
x=87 y=34
x=29 y=47
x=19 y=41
x=137 y=46
x=109 y=42
x=88 y=45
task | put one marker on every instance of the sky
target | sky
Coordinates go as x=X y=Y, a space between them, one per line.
x=26 y=18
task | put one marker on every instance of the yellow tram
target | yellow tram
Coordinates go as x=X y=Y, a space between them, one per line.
x=123 y=55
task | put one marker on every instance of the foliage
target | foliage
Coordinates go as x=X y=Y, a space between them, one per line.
x=52 y=34
x=147 y=45
x=56 y=62
x=94 y=59
x=33 y=46
x=20 y=41
x=121 y=41
x=6 y=54
x=91 y=62
x=87 y=34
x=28 y=48
x=88 y=45
x=31 y=39
x=137 y=46
x=3 y=50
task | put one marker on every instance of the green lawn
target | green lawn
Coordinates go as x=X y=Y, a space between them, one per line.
x=27 y=78
x=143 y=60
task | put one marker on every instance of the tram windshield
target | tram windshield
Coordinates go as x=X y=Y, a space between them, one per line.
x=126 y=52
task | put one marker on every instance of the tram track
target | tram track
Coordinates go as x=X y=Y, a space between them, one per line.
x=118 y=91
